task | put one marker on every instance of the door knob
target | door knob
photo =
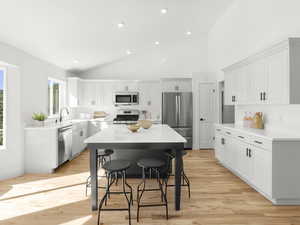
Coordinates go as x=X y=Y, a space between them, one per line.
x=201 y=119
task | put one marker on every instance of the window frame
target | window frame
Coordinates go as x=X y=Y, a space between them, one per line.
x=62 y=96
x=4 y=130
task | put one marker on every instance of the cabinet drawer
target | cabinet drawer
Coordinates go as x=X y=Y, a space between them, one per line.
x=242 y=137
x=218 y=130
x=261 y=142
x=228 y=132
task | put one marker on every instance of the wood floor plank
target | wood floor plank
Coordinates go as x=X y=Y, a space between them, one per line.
x=218 y=198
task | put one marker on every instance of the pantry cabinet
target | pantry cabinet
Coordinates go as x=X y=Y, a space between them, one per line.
x=267 y=77
x=268 y=164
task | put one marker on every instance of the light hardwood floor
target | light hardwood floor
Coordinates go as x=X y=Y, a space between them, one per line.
x=218 y=197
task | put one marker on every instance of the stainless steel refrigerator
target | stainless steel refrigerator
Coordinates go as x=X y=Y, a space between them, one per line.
x=177 y=112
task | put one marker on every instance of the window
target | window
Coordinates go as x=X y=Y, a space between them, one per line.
x=2 y=107
x=56 y=96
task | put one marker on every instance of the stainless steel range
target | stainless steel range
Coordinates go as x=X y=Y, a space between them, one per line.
x=127 y=116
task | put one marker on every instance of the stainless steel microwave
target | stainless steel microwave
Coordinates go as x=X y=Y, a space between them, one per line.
x=126 y=98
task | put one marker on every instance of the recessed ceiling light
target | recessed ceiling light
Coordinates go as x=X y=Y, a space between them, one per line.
x=121 y=25
x=128 y=52
x=188 y=33
x=75 y=61
x=156 y=43
x=163 y=10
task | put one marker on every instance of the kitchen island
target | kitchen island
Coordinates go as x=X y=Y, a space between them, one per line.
x=157 y=138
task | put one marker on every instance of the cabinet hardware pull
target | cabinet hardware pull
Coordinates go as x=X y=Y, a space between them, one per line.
x=247 y=154
x=264 y=96
x=228 y=133
x=250 y=153
x=261 y=96
x=218 y=129
x=241 y=137
x=258 y=142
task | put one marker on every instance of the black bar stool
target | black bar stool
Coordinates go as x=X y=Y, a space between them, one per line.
x=114 y=169
x=185 y=182
x=102 y=155
x=151 y=165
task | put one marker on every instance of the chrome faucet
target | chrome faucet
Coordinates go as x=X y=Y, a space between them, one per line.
x=61 y=112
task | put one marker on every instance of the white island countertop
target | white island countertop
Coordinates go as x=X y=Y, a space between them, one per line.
x=158 y=133
x=272 y=135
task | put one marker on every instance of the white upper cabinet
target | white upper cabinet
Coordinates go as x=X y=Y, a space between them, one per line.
x=268 y=77
x=90 y=93
x=73 y=91
x=278 y=78
x=176 y=85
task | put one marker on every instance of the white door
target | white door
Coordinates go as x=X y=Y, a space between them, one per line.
x=207 y=96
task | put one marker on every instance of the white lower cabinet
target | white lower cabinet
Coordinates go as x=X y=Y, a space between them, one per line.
x=269 y=166
x=79 y=134
x=219 y=150
x=262 y=169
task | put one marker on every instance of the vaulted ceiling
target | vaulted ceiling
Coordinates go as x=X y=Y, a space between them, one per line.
x=79 y=34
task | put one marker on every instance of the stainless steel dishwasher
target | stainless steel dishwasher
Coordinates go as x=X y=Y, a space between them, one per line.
x=64 y=144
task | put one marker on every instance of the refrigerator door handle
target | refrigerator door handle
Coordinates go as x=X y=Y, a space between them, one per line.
x=176 y=100
x=179 y=108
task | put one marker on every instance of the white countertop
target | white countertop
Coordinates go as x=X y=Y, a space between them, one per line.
x=158 y=133
x=267 y=134
x=54 y=125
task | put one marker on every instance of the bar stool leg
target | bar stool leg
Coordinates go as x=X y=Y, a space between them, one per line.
x=128 y=199
x=139 y=196
x=187 y=181
x=162 y=193
x=103 y=199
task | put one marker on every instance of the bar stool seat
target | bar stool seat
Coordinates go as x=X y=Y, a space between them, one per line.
x=116 y=165
x=151 y=163
x=104 y=152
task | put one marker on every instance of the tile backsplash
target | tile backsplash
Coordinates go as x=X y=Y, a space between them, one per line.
x=285 y=118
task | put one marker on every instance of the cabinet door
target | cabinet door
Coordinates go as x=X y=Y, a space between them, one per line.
x=229 y=83
x=108 y=90
x=73 y=94
x=76 y=147
x=230 y=152
x=260 y=81
x=240 y=85
x=219 y=147
x=262 y=177
x=277 y=91
x=177 y=85
x=242 y=158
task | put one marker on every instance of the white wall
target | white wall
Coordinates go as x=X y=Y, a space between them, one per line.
x=179 y=59
x=28 y=91
x=247 y=27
